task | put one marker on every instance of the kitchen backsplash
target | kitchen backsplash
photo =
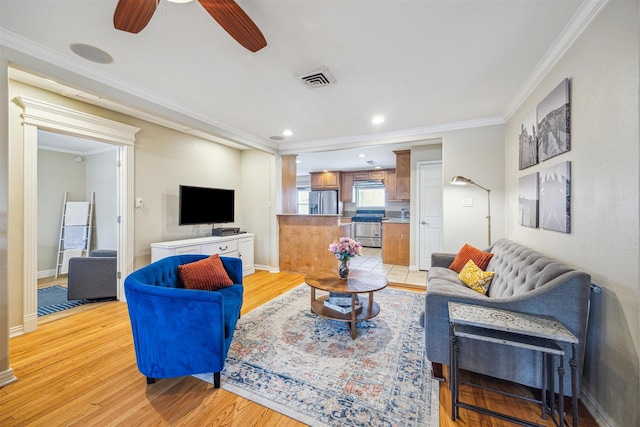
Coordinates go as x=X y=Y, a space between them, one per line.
x=392 y=209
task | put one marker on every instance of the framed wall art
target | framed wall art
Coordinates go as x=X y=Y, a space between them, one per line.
x=553 y=113
x=528 y=200
x=555 y=198
x=528 y=141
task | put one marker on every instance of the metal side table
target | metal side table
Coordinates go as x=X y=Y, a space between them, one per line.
x=536 y=333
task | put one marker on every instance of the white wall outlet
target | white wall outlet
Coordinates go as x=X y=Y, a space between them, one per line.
x=467 y=203
x=139 y=202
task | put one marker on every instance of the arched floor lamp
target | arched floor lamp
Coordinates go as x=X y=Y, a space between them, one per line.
x=461 y=180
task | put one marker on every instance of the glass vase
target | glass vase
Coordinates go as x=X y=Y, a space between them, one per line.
x=343 y=268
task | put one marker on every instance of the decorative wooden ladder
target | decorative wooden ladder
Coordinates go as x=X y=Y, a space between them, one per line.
x=76 y=231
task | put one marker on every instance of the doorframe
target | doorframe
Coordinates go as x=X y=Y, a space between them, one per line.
x=54 y=118
x=419 y=204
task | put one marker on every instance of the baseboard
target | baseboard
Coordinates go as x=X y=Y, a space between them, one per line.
x=46 y=273
x=16 y=331
x=267 y=268
x=7 y=377
x=599 y=414
x=30 y=323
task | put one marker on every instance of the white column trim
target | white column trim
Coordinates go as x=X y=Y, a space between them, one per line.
x=7 y=377
x=43 y=115
x=30 y=226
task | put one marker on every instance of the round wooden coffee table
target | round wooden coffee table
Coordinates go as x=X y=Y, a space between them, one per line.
x=358 y=282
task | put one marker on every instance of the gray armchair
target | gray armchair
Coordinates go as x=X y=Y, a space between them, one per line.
x=93 y=277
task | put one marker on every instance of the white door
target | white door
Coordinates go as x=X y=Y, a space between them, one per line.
x=430 y=214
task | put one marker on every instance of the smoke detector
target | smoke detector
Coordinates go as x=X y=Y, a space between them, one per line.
x=316 y=78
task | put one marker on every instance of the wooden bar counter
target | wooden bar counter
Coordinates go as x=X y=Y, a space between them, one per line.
x=304 y=242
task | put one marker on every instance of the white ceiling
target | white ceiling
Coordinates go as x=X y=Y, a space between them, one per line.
x=424 y=65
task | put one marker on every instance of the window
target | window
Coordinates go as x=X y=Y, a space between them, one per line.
x=370 y=197
x=303 y=201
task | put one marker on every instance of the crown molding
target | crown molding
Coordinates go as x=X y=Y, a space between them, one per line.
x=391 y=137
x=130 y=96
x=584 y=16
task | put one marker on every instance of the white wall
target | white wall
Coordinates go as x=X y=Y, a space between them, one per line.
x=102 y=179
x=165 y=159
x=258 y=192
x=605 y=232
x=477 y=154
x=57 y=173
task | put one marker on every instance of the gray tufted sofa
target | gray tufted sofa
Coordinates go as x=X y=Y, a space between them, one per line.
x=525 y=281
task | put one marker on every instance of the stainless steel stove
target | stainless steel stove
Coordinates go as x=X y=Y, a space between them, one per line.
x=368 y=227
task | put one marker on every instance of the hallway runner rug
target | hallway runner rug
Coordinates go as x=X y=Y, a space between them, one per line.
x=308 y=368
x=54 y=299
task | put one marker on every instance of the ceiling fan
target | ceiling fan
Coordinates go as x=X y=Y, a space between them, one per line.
x=133 y=15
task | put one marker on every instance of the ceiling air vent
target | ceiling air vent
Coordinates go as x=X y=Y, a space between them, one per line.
x=319 y=77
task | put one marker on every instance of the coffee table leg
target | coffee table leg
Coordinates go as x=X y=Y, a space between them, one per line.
x=313 y=297
x=353 y=316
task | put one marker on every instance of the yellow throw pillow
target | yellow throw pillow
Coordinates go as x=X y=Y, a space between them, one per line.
x=473 y=276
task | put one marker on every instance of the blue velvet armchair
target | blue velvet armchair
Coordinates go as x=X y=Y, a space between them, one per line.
x=177 y=331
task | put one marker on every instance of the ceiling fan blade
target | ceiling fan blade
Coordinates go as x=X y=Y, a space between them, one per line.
x=133 y=15
x=235 y=22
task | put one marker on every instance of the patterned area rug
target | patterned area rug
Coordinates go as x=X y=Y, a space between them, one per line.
x=54 y=299
x=308 y=368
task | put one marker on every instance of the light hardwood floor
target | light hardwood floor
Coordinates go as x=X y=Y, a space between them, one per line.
x=81 y=370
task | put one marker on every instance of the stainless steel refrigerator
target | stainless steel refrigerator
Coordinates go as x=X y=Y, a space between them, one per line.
x=323 y=202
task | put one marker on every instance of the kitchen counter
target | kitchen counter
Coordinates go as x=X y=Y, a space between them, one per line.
x=396 y=220
x=304 y=241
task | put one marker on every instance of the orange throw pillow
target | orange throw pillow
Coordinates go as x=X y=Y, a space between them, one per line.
x=206 y=275
x=468 y=252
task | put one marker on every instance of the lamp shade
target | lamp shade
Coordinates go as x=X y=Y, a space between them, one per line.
x=460 y=180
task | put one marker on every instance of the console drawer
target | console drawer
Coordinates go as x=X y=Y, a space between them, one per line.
x=221 y=248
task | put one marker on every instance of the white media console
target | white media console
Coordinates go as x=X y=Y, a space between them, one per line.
x=237 y=245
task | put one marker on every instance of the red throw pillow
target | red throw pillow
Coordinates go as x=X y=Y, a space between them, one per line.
x=468 y=252
x=206 y=275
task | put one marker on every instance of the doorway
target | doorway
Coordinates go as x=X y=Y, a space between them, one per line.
x=40 y=115
x=72 y=169
x=430 y=212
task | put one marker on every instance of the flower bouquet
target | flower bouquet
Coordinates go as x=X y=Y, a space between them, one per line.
x=345 y=249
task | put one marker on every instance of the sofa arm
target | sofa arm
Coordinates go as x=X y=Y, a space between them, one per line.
x=441 y=259
x=92 y=278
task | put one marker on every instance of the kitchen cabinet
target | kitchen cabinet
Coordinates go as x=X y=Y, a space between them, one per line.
x=403 y=175
x=390 y=186
x=325 y=180
x=395 y=243
x=376 y=175
x=236 y=246
x=346 y=187
x=368 y=175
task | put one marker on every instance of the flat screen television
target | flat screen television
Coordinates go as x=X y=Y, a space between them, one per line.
x=204 y=205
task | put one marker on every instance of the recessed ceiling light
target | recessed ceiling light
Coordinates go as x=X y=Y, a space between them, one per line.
x=91 y=53
x=276 y=138
x=287 y=132
x=361 y=155
x=377 y=120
